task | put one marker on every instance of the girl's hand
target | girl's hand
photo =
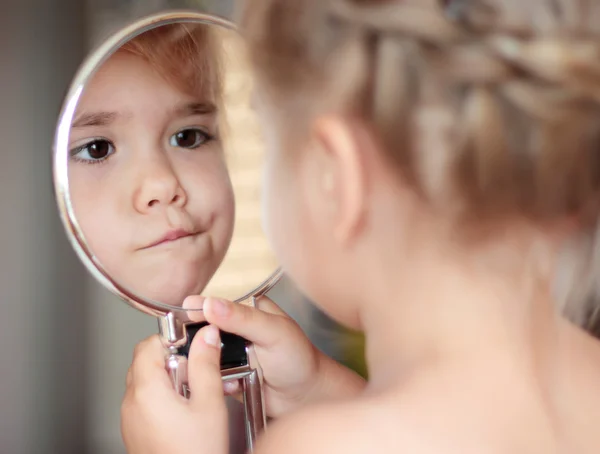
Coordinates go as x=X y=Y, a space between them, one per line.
x=295 y=371
x=155 y=419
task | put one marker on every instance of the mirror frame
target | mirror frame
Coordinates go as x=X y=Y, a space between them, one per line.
x=60 y=158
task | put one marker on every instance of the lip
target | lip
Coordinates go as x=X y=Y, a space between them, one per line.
x=170 y=236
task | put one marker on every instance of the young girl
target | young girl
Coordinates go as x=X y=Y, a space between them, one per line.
x=147 y=173
x=434 y=180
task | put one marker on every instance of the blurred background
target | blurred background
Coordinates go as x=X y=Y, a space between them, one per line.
x=66 y=342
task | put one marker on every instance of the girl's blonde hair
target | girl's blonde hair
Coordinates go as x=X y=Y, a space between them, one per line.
x=488 y=108
x=190 y=57
x=184 y=54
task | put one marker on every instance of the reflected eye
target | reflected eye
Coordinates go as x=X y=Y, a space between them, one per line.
x=189 y=138
x=93 y=152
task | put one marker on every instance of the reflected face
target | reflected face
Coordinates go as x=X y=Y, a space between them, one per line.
x=149 y=182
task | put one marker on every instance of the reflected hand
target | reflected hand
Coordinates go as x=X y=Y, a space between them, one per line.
x=295 y=372
x=156 y=419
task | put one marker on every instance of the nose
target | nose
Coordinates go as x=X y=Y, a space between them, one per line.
x=158 y=187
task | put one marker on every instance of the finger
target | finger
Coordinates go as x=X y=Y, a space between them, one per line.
x=257 y=326
x=238 y=397
x=149 y=363
x=128 y=378
x=143 y=345
x=231 y=387
x=266 y=304
x=193 y=305
x=204 y=366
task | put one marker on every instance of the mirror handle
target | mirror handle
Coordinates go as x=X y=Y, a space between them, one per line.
x=176 y=366
x=235 y=365
x=255 y=418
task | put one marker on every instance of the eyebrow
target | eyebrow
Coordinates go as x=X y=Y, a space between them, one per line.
x=94 y=119
x=106 y=118
x=196 y=108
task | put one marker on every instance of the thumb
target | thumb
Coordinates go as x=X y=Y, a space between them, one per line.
x=204 y=371
x=260 y=327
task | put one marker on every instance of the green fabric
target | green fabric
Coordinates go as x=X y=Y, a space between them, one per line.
x=354 y=354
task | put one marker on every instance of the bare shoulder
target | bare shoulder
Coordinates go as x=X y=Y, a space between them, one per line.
x=318 y=429
x=357 y=427
x=431 y=417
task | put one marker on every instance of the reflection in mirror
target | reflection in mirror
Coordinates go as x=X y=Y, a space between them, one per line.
x=164 y=157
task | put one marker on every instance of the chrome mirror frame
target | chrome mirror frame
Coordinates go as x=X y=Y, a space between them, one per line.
x=61 y=156
x=173 y=324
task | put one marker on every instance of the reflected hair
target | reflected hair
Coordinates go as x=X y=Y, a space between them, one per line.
x=188 y=56
x=489 y=109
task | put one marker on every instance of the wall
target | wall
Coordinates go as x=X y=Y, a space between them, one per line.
x=42 y=394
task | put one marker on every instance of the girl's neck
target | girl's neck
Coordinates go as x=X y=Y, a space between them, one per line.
x=443 y=308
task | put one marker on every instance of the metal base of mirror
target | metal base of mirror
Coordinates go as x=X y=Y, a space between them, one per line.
x=255 y=418
x=238 y=362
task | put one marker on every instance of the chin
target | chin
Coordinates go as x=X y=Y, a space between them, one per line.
x=172 y=298
x=327 y=296
x=172 y=286
x=339 y=312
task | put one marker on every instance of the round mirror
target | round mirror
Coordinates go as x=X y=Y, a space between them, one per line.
x=157 y=165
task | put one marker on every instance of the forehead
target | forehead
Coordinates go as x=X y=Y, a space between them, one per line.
x=125 y=81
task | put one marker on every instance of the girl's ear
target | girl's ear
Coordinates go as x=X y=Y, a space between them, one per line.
x=342 y=173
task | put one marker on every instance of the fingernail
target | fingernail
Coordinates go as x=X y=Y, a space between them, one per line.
x=230 y=386
x=193 y=302
x=211 y=336
x=220 y=307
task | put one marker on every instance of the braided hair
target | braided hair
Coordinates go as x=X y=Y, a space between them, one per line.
x=488 y=108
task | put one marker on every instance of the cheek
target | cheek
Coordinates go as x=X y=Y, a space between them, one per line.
x=210 y=195
x=96 y=213
x=287 y=214
x=224 y=206
x=272 y=203
x=281 y=213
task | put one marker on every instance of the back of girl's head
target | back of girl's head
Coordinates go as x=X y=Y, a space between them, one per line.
x=490 y=109
x=186 y=55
